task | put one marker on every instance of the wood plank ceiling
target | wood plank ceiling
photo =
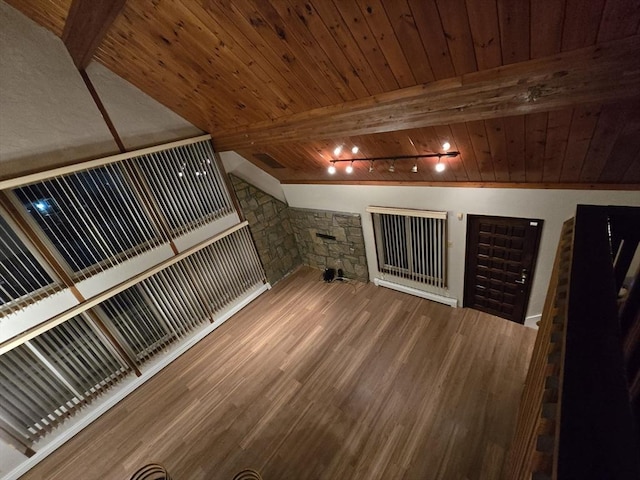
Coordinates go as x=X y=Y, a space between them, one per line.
x=542 y=92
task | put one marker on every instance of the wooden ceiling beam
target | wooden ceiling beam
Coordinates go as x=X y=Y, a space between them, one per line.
x=86 y=25
x=599 y=74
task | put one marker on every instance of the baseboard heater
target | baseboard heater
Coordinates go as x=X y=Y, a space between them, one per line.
x=452 y=302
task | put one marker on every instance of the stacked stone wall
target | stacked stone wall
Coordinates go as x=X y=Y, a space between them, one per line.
x=345 y=252
x=271 y=229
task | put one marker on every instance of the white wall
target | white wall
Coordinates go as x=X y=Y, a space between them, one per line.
x=247 y=171
x=553 y=206
x=139 y=119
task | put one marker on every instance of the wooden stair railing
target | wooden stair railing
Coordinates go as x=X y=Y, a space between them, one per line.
x=599 y=435
x=533 y=448
x=576 y=418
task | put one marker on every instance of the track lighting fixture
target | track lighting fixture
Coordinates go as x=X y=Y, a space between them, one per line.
x=349 y=168
x=392 y=167
x=355 y=150
x=338 y=150
x=446 y=146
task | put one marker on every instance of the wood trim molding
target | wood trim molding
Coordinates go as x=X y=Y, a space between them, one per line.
x=103 y=110
x=521 y=185
x=407 y=212
x=603 y=73
x=229 y=185
x=87 y=24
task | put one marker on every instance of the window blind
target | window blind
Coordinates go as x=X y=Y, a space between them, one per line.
x=22 y=278
x=411 y=244
x=43 y=380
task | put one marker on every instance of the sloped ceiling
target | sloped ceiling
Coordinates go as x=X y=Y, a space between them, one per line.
x=543 y=93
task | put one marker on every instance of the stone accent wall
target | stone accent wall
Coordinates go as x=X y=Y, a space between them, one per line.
x=271 y=229
x=346 y=251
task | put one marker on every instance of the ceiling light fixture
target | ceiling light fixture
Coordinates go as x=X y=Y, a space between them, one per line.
x=446 y=146
x=392 y=167
x=349 y=168
x=338 y=150
x=355 y=150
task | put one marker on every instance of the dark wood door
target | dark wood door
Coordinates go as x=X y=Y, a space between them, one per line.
x=500 y=261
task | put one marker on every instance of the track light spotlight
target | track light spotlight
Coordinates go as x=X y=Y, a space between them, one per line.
x=332 y=169
x=440 y=167
x=371 y=167
x=414 y=169
x=349 y=168
x=338 y=150
x=392 y=167
x=446 y=146
x=355 y=150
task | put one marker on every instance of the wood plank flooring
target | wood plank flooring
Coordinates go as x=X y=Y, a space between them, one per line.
x=321 y=381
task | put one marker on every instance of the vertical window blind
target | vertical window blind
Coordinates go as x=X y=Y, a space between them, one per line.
x=137 y=322
x=44 y=380
x=151 y=315
x=22 y=277
x=411 y=244
x=91 y=217
x=186 y=185
x=225 y=270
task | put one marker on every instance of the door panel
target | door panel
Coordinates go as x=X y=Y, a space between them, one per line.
x=500 y=260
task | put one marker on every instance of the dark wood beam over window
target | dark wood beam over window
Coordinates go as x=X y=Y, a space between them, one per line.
x=86 y=26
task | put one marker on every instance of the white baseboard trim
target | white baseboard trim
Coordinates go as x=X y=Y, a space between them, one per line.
x=532 y=321
x=452 y=302
x=118 y=396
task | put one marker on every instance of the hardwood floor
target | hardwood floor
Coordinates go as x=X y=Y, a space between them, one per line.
x=317 y=380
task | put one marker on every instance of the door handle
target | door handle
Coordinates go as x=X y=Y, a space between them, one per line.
x=523 y=277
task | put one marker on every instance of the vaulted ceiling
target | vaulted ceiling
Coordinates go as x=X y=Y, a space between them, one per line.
x=542 y=92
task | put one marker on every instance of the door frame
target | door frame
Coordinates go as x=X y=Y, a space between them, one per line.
x=467 y=259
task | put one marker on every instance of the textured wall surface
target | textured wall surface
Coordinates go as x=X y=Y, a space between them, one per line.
x=347 y=251
x=138 y=118
x=271 y=229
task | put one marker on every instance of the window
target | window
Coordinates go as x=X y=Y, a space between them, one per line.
x=411 y=244
x=47 y=377
x=186 y=185
x=89 y=216
x=20 y=273
x=139 y=324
